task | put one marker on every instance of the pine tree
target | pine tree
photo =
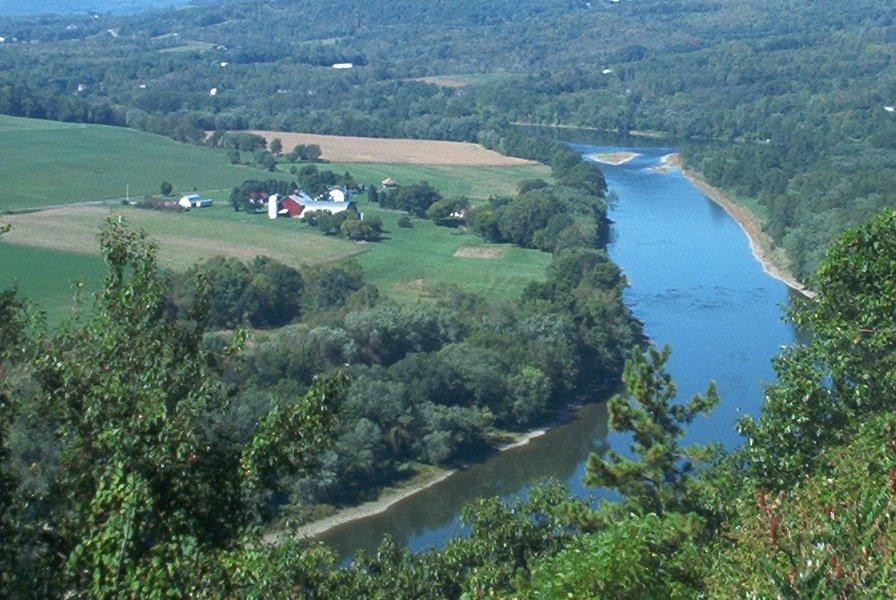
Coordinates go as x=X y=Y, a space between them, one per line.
x=655 y=479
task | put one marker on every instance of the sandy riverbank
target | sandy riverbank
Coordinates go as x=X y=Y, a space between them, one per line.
x=385 y=501
x=760 y=243
x=614 y=158
x=392 y=496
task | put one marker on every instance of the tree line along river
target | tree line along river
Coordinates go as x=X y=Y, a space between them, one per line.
x=695 y=284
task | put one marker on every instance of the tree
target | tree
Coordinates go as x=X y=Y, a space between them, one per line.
x=234 y=157
x=153 y=490
x=405 y=221
x=166 y=188
x=848 y=369
x=655 y=480
x=312 y=152
x=277 y=146
x=367 y=230
x=13 y=323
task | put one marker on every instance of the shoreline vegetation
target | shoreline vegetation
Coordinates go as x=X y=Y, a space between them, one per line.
x=390 y=496
x=760 y=243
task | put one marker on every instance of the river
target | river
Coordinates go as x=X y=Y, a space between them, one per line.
x=695 y=285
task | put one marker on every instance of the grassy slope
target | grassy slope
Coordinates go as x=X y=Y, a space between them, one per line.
x=46 y=163
x=182 y=238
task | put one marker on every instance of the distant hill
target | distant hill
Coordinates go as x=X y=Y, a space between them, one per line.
x=18 y=8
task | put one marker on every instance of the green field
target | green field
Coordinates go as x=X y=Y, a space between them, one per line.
x=412 y=262
x=472 y=182
x=182 y=238
x=49 y=277
x=45 y=163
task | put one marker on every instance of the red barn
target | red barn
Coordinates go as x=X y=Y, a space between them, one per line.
x=292 y=207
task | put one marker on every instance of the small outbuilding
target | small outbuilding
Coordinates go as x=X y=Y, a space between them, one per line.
x=389 y=184
x=194 y=201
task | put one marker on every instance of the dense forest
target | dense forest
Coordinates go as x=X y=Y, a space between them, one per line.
x=163 y=440
x=788 y=113
x=19 y=8
x=149 y=483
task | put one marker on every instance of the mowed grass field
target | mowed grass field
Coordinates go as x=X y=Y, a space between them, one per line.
x=49 y=277
x=414 y=262
x=45 y=163
x=182 y=238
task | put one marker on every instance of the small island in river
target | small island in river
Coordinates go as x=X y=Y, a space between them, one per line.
x=614 y=158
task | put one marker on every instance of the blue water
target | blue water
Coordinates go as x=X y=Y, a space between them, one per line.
x=695 y=285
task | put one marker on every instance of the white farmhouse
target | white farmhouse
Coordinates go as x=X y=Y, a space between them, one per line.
x=339 y=194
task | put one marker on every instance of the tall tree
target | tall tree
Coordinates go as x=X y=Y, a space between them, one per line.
x=655 y=479
x=154 y=490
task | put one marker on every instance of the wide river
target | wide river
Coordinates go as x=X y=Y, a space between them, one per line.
x=695 y=285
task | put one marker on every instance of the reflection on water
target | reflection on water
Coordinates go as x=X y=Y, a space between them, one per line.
x=695 y=285
x=427 y=519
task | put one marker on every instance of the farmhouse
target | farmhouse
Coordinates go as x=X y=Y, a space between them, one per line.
x=194 y=201
x=334 y=208
x=299 y=204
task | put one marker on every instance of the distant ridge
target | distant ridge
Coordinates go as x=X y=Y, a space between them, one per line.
x=21 y=8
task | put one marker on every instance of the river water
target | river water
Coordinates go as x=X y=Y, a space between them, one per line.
x=695 y=285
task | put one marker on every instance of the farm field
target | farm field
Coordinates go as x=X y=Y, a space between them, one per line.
x=48 y=277
x=463 y=80
x=344 y=149
x=49 y=250
x=413 y=262
x=472 y=182
x=44 y=163
x=183 y=238
x=408 y=265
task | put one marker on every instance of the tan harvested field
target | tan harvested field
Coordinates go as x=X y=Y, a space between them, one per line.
x=396 y=151
x=182 y=238
x=480 y=252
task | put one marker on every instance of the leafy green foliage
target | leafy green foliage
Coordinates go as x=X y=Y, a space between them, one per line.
x=415 y=198
x=263 y=294
x=829 y=537
x=655 y=481
x=151 y=486
x=638 y=557
x=846 y=372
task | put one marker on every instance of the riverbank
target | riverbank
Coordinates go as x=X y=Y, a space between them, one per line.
x=760 y=243
x=386 y=499
x=393 y=495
